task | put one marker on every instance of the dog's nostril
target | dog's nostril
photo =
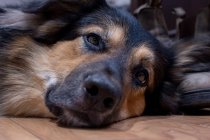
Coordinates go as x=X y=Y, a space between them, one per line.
x=92 y=90
x=108 y=102
x=100 y=91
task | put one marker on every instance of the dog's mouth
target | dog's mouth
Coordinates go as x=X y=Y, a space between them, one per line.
x=88 y=119
x=74 y=118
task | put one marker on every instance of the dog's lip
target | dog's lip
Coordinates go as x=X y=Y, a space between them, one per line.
x=54 y=109
x=90 y=118
x=57 y=111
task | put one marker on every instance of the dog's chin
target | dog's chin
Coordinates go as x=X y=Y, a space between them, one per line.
x=71 y=118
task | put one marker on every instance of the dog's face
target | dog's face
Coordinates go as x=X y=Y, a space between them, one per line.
x=93 y=68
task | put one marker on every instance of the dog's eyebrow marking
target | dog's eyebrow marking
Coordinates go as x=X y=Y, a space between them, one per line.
x=92 y=29
x=143 y=54
x=116 y=35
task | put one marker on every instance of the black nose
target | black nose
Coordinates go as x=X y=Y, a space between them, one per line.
x=102 y=92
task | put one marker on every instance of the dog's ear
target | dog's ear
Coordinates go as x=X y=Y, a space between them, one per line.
x=46 y=18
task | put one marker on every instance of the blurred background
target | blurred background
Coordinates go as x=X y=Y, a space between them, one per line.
x=170 y=20
x=166 y=19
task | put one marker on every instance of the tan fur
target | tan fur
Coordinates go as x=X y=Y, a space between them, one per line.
x=92 y=29
x=116 y=35
x=133 y=103
x=26 y=96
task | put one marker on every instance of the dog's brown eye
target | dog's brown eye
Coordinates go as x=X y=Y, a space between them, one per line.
x=140 y=77
x=94 y=42
x=93 y=39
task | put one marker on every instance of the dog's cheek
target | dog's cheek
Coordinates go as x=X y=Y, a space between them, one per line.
x=133 y=104
x=65 y=56
x=134 y=97
x=22 y=91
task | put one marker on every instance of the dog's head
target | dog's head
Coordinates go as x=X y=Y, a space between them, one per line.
x=101 y=61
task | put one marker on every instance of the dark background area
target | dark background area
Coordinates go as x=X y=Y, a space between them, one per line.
x=192 y=8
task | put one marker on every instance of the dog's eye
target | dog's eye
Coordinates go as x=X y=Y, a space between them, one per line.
x=140 y=77
x=93 y=39
x=94 y=42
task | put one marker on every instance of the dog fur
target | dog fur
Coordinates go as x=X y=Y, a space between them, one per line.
x=42 y=44
x=45 y=57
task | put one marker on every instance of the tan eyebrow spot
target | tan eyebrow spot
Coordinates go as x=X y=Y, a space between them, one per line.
x=92 y=29
x=143 y=54
x=116 y=35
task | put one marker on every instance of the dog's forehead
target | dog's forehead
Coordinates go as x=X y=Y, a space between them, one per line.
x=114 y=34
x=119 y=27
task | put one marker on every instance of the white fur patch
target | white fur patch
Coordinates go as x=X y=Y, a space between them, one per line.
x=49 y=78
x=42 y=67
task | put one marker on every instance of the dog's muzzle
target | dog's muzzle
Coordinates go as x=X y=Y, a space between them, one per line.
x=90 y=93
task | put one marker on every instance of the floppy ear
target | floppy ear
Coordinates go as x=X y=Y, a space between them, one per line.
x=45 y=19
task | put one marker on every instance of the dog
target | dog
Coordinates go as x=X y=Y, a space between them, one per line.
x=82 y=62
x=63 y=59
